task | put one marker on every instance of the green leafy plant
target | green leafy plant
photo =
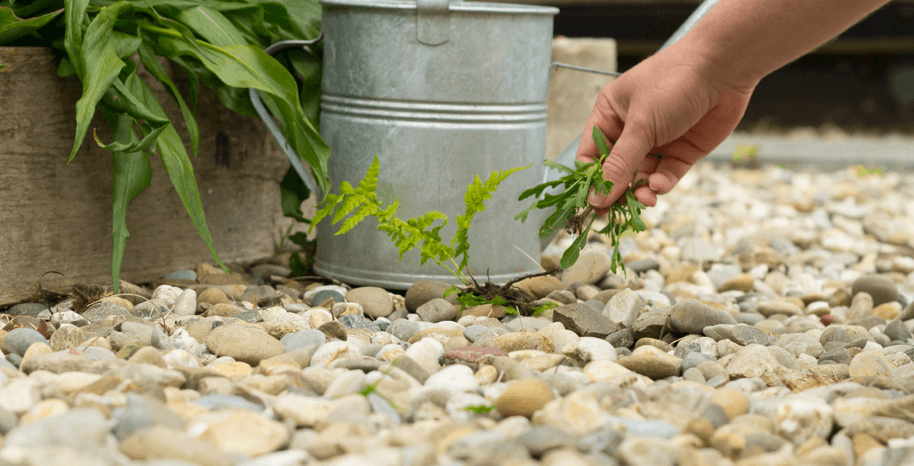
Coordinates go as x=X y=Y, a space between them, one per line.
x=480 y=409
x=217 y=43
x=423 y=231
x=577 y=184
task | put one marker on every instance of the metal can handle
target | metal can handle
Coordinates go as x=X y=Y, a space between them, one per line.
x=271 y=125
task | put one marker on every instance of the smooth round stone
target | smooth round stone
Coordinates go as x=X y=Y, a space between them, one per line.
x=524 y=397
x=541 y=287
x=770 y=308
x=27 y=309
x=590 y=268
x=870 y=364
x=185 y=274
x=425 y=353
x=623 y=308
x=243 y=344
x=690 y=316
x=456 y=378
x=167 y=294
x=303 y=339
x=473 y=332
x=375 y=301
x=424 y=291
x=186 y=303
x=881 y=288
x=742 y=282
x=652 y=362
x=213 y=295
x=540 y=439
x=309 y=295
x=861 y=306
x=403 y=329
x=734 y=402
x=324 y=295
x=562 y=296
x=18 y=340
x=800 y=343
x=437 y=310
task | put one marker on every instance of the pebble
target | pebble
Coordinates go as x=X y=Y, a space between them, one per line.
x=722 y=344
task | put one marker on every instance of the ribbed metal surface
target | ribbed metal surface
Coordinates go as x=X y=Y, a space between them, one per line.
x=437 y=116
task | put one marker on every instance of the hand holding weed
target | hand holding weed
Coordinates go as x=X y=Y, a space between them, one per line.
x=672 y=106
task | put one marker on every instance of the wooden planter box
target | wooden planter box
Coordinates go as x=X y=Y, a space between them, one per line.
x=57 y=217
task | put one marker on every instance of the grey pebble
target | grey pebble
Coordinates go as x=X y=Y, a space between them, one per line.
x=303 y=339
x=19 y=339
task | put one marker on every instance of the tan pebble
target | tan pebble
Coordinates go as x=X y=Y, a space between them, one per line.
x=45 y=408
x=234 y=370
x=863 y=442
x=278 y=365
x=887 y=311
x=445 y=435
x=148 y=355
x=119 y=301
x=486 y=374
x=681 y=273
x=701 y=428
x=213 y=296
x=223 y=310
x=524 y=398
x=516 y=341
x=186 y=411
x=733 y=401
x=36 y=349
x=810 y=445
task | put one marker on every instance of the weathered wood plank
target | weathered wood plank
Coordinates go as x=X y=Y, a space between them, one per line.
x=55 y=216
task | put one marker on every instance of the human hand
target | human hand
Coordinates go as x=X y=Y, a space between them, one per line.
x=674 y=106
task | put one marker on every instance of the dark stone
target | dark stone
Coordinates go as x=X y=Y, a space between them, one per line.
x=883 y=289
x=28 y=309
x=624 y=338
x=411 y=367
x=357 y=321
x=424 y=291
x=540 y=439
x=19 y=339
x=897 y=330
x=691 y=316
x=398 y=314
x=403 y=329
x=584 y=321
x=642 y=265
x=324 y=295
x=868 y=322
x=839 y=356
x=251 y=317
x=650 y=324
x=334 y=329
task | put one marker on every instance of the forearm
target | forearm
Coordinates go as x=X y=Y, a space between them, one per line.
x=744 y=40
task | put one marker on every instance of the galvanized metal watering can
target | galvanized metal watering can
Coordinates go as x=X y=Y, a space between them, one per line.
x=441 y=91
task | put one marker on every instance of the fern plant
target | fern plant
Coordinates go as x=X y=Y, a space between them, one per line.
x=423 y=231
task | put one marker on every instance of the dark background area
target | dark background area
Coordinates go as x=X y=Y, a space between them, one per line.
x=861 y=82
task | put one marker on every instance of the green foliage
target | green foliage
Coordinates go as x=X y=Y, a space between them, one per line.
x=217 y=42
x=480 y=409
x=577 y=183
x=362 y=201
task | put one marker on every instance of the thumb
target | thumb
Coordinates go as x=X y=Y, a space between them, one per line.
x=620 y=166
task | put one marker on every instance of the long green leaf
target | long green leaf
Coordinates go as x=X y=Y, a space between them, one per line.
x=132 y=174
x=152 y=65
x=13 y=27
x=177 y=164
x=212 y=26
x=136 y=146
x=243 y=66
x=75 y=13
x=100 y=68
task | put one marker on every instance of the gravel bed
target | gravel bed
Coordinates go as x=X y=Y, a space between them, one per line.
x=766 y=319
